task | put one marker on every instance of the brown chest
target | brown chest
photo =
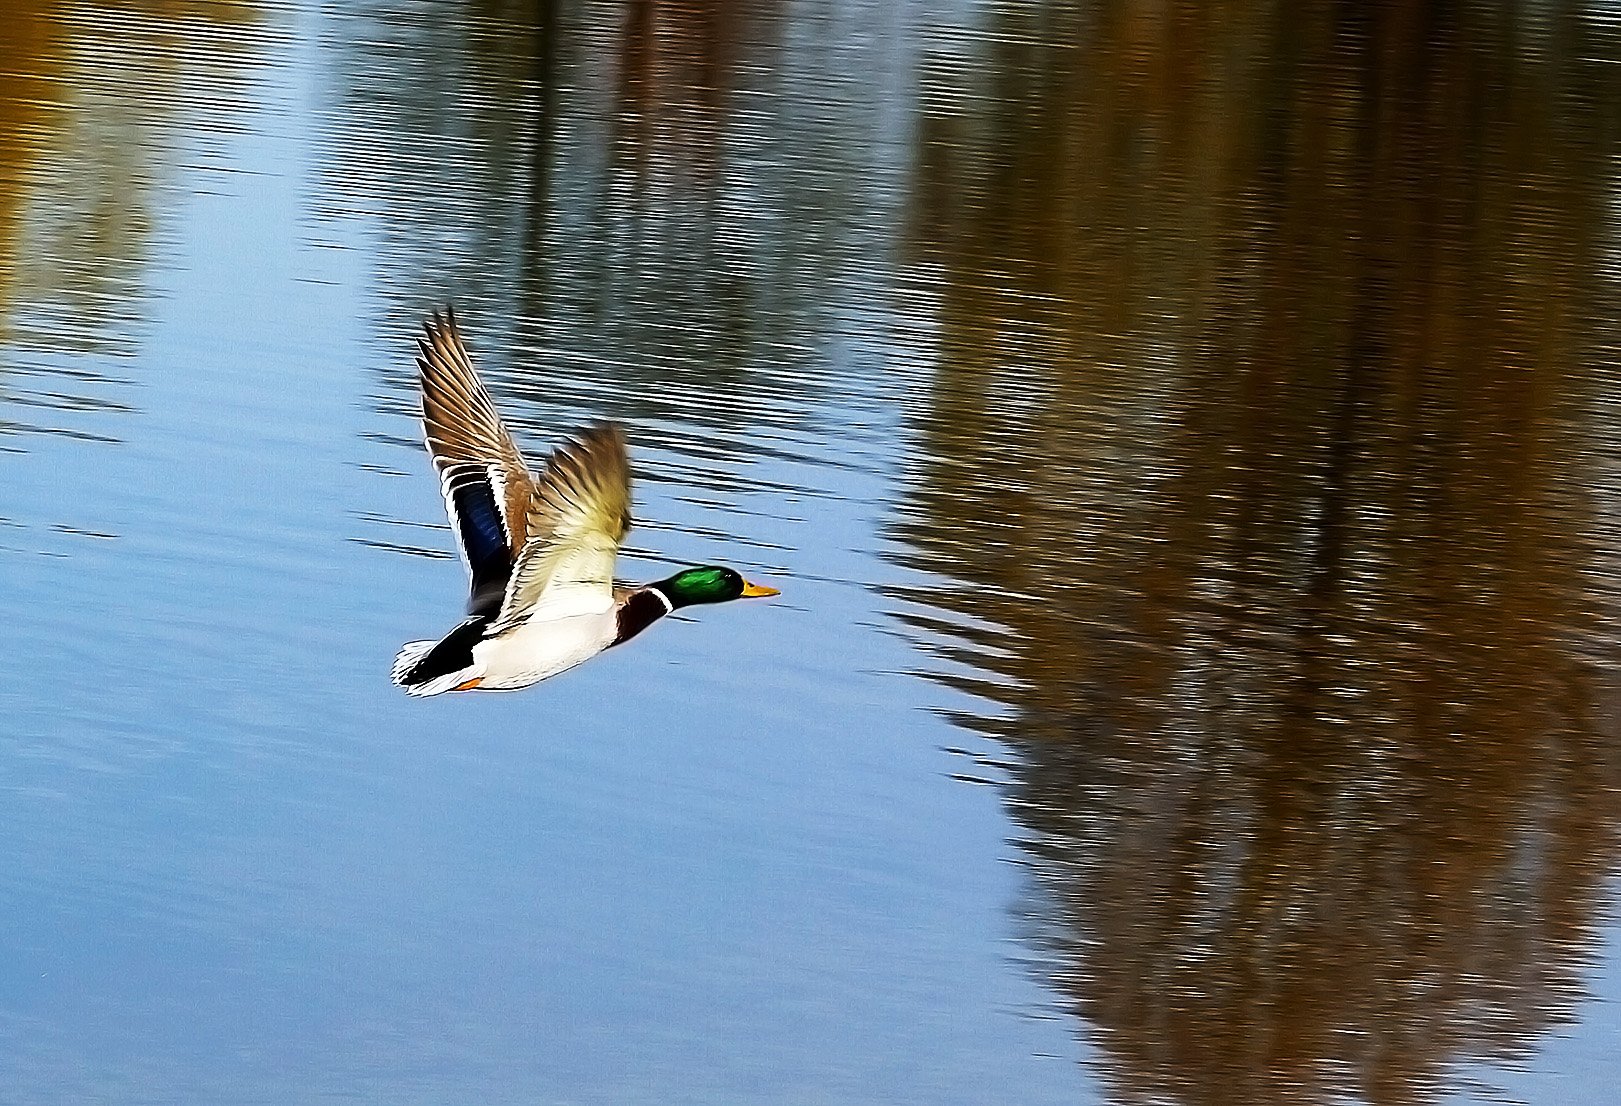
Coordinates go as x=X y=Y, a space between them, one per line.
x=640 y=611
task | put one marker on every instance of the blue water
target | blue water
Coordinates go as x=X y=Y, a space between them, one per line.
x=774 y=852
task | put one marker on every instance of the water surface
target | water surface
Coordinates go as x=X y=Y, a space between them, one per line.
x=1185 y=440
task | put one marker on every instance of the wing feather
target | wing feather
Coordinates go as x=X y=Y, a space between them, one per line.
x=484 y=479
x=462 y=426
x=578 y=515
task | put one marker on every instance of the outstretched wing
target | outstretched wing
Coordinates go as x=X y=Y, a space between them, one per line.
x=485 y=482
x=578 y=515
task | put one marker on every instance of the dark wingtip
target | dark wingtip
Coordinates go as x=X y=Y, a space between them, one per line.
x=438 y=321
x=436 y=328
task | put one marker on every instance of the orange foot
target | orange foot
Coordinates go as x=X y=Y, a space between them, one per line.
x=469 y=685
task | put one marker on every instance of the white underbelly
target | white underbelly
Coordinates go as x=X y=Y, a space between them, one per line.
x=535 y=651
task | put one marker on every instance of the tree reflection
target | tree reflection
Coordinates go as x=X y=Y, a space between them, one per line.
x=28 y=63
x=92 y=102
x=623 y=238
x=1267 y=417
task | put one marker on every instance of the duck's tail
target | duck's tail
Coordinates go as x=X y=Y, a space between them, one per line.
x=435 y=667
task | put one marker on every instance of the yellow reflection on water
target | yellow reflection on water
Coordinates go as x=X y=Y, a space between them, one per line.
x=29 y=64
x=93 y=102
x=1266 y=448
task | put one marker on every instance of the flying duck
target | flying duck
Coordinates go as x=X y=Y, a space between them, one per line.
x=539 y=547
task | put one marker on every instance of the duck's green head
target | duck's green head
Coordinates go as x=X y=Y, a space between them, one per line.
x=709 y=584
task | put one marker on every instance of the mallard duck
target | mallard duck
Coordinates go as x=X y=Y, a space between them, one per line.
x=539 y=548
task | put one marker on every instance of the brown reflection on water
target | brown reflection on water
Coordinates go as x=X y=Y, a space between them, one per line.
x=29 y=55
x=95 y=101
x=1267 y=451
x=677 y=71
